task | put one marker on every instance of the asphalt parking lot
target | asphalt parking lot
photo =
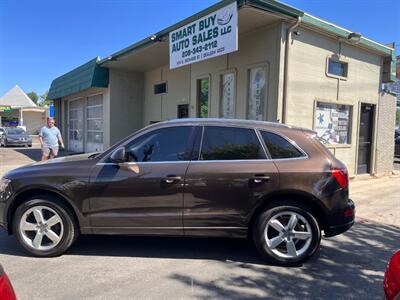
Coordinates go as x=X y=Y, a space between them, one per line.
x=348 y=266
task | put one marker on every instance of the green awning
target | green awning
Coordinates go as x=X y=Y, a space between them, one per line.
x=86 y=76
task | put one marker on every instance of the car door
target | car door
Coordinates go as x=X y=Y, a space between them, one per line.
x=145 y=193
x=226 y=183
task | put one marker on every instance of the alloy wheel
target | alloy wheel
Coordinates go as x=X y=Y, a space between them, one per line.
x=288 y=234
x=41 y=228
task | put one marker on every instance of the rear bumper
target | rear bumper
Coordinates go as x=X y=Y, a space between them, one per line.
x=341 y=221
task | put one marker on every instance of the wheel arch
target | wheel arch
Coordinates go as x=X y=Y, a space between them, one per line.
x=309 y=201
x=28 y=194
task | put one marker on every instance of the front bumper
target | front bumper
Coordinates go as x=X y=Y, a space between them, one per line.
x=340 y=222
x=19 y=143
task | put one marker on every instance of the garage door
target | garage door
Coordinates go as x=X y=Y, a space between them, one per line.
x=75 y=132
x=94 y=132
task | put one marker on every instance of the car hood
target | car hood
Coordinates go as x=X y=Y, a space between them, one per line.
x=65 y=159
x=60 y=164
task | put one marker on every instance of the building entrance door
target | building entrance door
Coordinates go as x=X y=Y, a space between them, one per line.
x=365 y=138
x=75 y=132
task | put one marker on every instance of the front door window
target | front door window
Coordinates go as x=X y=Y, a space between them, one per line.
x=165 y=144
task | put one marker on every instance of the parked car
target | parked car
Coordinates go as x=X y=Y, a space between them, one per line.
x=397 y=133
x=6 y=289
x=397 y=143
x=193 y=177
x=14 y=136
x=391 y=282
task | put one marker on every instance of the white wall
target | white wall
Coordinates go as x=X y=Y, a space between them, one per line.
x=308 y=83
x=261 y=46
x=126 y=103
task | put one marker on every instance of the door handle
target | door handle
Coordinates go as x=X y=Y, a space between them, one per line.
x=260 y=178
x=171 y=179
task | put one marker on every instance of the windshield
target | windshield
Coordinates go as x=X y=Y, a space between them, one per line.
x=15 y=131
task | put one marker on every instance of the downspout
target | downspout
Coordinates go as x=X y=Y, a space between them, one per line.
x=286 y=67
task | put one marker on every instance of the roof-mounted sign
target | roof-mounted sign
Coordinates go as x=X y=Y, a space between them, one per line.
x=210 y=36
x=5 y=108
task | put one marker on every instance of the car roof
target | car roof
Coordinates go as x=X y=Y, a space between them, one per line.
x=228 y=122
x=220 y=121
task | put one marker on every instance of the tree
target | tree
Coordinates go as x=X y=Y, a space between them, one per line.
x=34 y=97
x=44 y=100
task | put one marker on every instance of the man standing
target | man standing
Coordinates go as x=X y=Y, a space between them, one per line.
x=50 y=138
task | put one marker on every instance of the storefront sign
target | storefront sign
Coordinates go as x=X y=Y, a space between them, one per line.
x=332 y=123
x=5 y=108
x=210 y=36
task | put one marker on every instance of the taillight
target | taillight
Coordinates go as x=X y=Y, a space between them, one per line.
x=6 y=289
x=341 y=176
x=391 y=283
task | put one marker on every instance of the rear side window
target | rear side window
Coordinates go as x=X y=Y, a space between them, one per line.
x=228 y=143
x=279 y=147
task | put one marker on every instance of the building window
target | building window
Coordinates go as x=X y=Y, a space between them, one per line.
x=257 y=88
x=337 y=68
x=183 y=111
x=228 y=95
x=160 y=88
x=94 y=111
x=333 y=123
x=203 y=95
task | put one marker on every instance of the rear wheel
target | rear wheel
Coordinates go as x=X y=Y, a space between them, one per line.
x=44 y=226
x=287 y=234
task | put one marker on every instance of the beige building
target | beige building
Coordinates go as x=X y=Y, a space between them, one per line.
x=289 y=67
x=17 y=109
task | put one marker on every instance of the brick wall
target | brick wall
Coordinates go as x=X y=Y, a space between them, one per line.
x=385 y=136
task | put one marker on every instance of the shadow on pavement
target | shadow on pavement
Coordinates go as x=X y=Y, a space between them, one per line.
x=348 y=266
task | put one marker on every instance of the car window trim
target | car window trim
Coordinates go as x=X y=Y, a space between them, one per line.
x=123 y=143
x=290 y=141
x=267 y=158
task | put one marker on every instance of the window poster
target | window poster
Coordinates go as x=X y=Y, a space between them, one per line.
x=256 y=93
x=228 y=95
x=332 y=123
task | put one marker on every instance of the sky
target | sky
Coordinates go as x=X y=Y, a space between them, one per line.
x=43 y=39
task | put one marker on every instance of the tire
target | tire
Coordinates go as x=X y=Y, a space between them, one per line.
x=30 y=145
x=54 y=237
x=275 y=241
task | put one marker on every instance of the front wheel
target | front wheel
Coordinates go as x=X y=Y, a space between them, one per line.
x=286 y=234
x=44 y=226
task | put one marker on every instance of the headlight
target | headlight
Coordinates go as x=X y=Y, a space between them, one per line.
x=5 y=189
x=4 y=182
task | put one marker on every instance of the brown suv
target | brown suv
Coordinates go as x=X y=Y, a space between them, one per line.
x=193 y=177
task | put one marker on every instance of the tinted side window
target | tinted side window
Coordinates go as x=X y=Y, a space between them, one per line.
x=279 y=147
x=165 y=144
x=227 y=143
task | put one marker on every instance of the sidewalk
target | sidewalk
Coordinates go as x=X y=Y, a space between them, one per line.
x=377 y=199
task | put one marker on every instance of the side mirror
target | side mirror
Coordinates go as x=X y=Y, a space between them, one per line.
x=118 y=156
